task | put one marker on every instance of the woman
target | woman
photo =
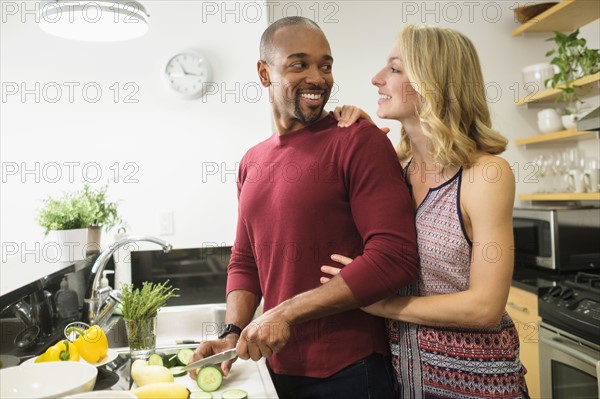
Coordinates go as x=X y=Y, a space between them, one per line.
x=449 y=334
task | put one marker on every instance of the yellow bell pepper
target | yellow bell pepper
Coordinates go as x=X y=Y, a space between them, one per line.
x=92 y=343
x=61 y=351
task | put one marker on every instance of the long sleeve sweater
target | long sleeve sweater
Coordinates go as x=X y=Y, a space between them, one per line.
x=304 y=196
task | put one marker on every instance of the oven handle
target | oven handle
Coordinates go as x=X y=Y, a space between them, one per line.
x=561 y=346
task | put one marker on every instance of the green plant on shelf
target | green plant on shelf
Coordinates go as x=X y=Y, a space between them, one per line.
x=574 y=60
x=79 y=209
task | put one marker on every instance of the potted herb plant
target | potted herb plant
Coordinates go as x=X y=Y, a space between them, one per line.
x=74 y=220
x=574 y=60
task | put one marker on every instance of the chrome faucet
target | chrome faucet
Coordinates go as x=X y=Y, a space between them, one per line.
x=100 y=302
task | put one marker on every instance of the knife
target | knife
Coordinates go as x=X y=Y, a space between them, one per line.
x=214 y=359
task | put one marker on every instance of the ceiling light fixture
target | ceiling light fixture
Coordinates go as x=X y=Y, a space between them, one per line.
x=94 y=21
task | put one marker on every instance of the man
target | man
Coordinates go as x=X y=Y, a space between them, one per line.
x=312 y=190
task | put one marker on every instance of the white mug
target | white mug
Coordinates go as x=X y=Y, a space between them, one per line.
x=549 y=121
x=591 y=180
x=574 y=180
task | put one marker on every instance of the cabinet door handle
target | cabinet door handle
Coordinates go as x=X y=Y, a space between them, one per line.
x=517 y=307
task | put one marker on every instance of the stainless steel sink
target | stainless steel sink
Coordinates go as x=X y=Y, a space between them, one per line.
x=175 y=324
x=11 y=327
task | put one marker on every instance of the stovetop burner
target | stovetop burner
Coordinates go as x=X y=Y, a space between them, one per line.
x=574 y=305
x=585 y=281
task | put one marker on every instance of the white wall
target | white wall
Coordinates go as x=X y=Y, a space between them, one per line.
x=361 y=34
x=168 y=139
x=159 y=144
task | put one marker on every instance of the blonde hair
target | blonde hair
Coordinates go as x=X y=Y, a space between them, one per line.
x=443 y=67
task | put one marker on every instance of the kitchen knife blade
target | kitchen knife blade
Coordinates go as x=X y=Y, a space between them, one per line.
x=214 y=359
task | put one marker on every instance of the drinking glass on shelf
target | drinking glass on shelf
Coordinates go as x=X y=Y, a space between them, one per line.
x=553 y=174
x=573 y=158
x=541 y=171
x=562 y=166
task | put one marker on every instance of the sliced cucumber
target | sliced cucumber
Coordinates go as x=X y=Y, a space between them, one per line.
x=155 y=360
x=173 y=360
x=234 y=394
x=201 y=395
x=184 y=356
x=209 y=378
x=165 y=360
x=178 y=371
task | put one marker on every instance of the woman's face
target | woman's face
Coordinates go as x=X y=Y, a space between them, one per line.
x=397 y=98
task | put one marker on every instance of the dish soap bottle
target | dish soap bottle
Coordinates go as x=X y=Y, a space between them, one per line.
x=67 y=303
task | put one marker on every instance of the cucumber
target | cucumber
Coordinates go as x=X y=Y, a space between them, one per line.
x=234 y=394
x=200 y=395
x=155 y=360
x=209 y=378
x=173 y=360
x=184 y=356
x=166 y=360
x=177 y=371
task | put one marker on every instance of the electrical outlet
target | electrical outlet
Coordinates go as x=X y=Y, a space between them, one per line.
x=167 y=223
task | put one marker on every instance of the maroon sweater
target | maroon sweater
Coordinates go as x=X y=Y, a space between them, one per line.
x=304 y=196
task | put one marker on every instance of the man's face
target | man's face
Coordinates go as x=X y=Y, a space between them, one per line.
x=299 y=74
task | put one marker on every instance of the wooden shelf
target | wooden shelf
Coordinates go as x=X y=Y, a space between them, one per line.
x=583 y=86
x=560 y=197
x=563 y=135
x=566 y=16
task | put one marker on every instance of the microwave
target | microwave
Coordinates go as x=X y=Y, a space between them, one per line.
x=562 y=239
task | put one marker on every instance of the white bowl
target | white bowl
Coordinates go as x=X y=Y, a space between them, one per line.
x=535 y=76
x=47 y=380
x=103 y=395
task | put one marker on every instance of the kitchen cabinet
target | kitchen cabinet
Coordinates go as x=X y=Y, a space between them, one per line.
x=522 y=306
x=566 y=15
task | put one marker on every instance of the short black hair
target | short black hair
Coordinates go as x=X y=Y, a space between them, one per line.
x=266 y=40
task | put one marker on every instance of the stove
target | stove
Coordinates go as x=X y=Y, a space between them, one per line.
x=573 y=305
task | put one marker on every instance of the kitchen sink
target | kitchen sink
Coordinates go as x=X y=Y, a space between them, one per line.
x=176 y=324
x=191 y=323
x=11 y=327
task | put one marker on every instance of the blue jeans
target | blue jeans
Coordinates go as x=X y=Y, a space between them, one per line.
x=370 y=378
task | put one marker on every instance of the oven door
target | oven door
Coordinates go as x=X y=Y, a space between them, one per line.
x=569 y=366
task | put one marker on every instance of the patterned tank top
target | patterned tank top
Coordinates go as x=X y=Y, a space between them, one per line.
x=461 y=363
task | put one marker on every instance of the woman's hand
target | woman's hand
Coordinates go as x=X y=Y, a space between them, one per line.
x=346 y=115
x=334 y=271
x=377 y=308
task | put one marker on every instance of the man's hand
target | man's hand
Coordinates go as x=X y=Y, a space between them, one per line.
x=266 y=335
x=209 y=348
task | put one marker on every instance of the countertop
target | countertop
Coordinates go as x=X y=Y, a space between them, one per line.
x=22 y=277
x=534 y=279
x=252 y=377
x=16 y=272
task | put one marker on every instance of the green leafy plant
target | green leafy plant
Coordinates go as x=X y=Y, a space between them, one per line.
x=78 y=210
x=574 y=60
x=106 y=214
x=143 y=304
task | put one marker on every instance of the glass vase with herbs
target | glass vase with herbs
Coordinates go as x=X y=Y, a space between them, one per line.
x=140 y=310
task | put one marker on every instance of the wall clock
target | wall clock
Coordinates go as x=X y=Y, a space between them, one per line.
x=187 y=74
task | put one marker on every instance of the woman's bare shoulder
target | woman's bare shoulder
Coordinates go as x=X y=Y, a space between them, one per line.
x=487 y=169
x=490 y=180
